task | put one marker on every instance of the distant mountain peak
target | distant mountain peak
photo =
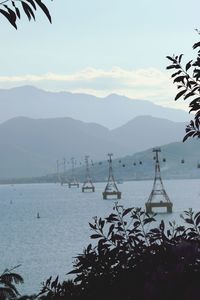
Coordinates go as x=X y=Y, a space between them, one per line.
x=26 y=88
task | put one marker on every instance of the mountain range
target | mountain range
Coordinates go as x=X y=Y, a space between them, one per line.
x=31 y=147
x=112 y=111
x=39 y=127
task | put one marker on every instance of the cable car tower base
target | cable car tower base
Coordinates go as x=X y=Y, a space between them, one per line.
x=73 y=183
x=107 y=194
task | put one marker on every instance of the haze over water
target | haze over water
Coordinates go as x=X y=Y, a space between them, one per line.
x=46 y=246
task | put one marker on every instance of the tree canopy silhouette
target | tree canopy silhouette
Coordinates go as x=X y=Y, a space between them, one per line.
x=11 y=10
x=133 y=260
x=8 y=280
x=187 y=79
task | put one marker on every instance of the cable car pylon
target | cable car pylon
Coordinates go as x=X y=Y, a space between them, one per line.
x=73 y=181
x=111 y=188
x=158 y=196
x=58 y=172
x=87 y=185
x=61 y=175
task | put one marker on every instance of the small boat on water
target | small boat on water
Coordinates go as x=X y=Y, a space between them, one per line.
x=38 y=215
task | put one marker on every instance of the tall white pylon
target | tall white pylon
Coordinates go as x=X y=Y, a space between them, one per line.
x=61 y=175
x=87 y=185
x=158 y=196
x=111 y=188
x=72 y=180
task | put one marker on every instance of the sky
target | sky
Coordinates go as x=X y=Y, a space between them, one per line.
x=101 y=47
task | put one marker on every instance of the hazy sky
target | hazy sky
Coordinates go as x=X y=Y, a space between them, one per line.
x=101 y=47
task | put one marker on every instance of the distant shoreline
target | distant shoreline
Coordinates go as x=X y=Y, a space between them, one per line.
x=44 y=180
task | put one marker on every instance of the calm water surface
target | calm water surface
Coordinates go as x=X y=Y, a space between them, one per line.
x=46 y=246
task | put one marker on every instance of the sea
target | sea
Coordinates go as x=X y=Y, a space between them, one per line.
x=47 y=246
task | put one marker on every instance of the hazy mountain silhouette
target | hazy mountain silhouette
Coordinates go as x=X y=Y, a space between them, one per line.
x=145 y=131
x=30 y=147
x=112 y=111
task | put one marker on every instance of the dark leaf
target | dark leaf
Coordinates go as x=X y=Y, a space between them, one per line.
x=28 y=11
x=180 y=57
x=92 y=226
x=180 y=228
x=32 y=3
x=9 y=17
x=44 y=9
x=48 y=281
x=188 y=65
x=181 y=93
x=197 y=215
x=196 y=45
x=89 y=247
x=168 y=233
x=189 y=221
x=101 y=223
x=54 y=283
x=136 y=223
x=179 y=79
x=126 y=211
x=171 y=67
x=74 y=271
x=197 y=123
x=95 y=236
x=171 y=58
x=188 y=95
x=189 y=134
x=148 y=220
x=162 y=225
x=16 y=10
x=197 y=221
x=111 y=229
x=177 y=73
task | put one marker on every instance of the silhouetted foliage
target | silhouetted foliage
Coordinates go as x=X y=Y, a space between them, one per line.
x=8 y=280
x=187 y=79
x=11 y=9
x=134 y=260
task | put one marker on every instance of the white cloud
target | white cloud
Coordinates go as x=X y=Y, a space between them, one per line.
x=150 y=84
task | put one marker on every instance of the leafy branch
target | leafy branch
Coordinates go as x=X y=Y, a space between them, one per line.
x=11 y=10
x=187 y=80
x=129 y=258
x=8 y=280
